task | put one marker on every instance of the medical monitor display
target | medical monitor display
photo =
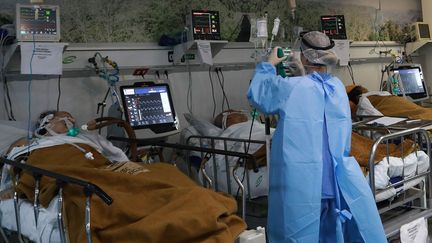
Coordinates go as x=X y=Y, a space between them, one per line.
x=149 y=106
x=205 y=25
x=334 y=26
x=411 y=82
x=37 y=22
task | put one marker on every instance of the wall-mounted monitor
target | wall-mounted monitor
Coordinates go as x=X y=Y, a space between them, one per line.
x=334 y=26
x=411 y=81
x=149 y=109
x=204 y=25
x=421 y=31
x=37 y=22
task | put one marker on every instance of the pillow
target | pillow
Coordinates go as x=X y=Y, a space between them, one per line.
x=205 y=128
x=10 y=132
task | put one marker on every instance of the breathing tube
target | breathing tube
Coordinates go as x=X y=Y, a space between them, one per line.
x=46 y=127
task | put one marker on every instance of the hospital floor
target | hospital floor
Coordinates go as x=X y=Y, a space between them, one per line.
x=256 y=215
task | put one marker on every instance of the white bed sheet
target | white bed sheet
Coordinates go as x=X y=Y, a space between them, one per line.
x=414 y=163
x=47 y=227
x=258 y=182
x=10 y=132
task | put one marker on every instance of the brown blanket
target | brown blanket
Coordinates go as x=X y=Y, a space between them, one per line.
x=155 y=204
x=360 y=149
x=399 y=106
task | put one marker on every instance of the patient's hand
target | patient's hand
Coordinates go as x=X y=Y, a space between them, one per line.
x=6 y=194
x=18 y=143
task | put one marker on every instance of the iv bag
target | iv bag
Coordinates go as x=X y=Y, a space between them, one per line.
x=262 y=28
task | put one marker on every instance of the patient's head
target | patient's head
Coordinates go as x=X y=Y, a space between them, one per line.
x=354 y=92
x=54 y=122
x=229 y=118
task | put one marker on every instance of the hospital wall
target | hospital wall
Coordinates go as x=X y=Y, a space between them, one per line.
x=82 y=90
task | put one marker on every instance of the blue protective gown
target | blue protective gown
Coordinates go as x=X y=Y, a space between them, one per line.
x=296 y=166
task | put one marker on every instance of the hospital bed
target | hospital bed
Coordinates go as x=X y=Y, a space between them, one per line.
x=49 y=226
x=217 y=171
x=402 y=187
x=54 y=213
x=400 y=180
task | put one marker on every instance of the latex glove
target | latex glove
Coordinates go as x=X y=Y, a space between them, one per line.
x=273 y=58
x=296 y=68
x=295 y=64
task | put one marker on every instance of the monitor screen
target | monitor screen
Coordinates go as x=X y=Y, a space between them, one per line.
x=38 y=22
x=411 y=81
x=149 y=106
x=205 y=25
x=334 y=26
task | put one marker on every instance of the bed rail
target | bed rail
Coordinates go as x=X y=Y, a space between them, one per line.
x=406 y=201
x=396 y=135
x=88 y=189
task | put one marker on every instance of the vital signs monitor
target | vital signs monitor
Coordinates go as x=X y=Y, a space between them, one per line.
x=37 y=22
x=149 y=109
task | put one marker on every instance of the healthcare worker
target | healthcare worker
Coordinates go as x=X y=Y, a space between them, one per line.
x=317 y=193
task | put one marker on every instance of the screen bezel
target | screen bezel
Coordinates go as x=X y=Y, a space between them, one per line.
x=159 y=127
x=36 y=37
x=414 y=96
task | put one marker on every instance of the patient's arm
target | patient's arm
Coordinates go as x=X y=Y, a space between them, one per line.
x=6 y=193
x=18 y=143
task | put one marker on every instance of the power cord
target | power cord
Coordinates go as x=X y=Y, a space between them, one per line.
x=29 y=86
x=212 y=92
x=59 y=92
x=10 y=113
x=254 y=115
x=351 y=72
x=222 y=85
x=6 y=96
x=189 y=100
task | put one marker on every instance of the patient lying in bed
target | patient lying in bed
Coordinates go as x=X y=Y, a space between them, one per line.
x=235 y=124
x=151 y=203
x=363 y=102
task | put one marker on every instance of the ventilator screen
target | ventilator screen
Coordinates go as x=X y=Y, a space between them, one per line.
x=411 y=81
x=149 y=106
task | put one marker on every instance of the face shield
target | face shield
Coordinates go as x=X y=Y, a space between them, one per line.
x=316 y=47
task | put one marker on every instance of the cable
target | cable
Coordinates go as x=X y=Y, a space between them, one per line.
x=189 y=91
x=6 y=96
x=29 y=134
x=11 y=115
x=351 y=72
x=189 y=100
x=247 y=151
x=213 y=92
x=222 y=85
x=59 y=92
x=377 y=31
